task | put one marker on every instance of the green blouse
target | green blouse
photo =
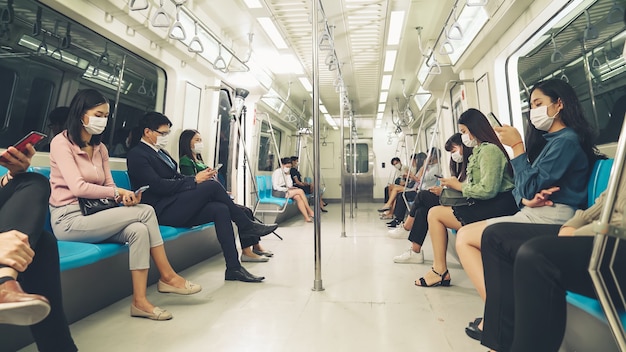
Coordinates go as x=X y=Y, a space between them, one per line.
x=189 y=167
x=487 y=173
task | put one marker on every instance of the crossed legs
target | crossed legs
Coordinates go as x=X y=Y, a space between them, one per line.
x=301 y=200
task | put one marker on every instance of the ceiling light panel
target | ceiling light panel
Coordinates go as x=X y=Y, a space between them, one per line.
x=396 y=23
x=272 y=32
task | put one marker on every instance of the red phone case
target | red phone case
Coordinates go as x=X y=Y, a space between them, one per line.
x=33 y=138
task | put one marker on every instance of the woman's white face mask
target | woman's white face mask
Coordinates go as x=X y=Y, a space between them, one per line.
x=468 y=141
x=197 y=147
x=96 y=125
x=457 y=157
x=286 y=169
x=398 y=166
x=540 y=119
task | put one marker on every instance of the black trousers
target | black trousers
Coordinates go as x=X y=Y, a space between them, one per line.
x=209 y=202
x=248 y=241
x=24 y=207
x=528 y=270
x=424 y=200
x=399 y=211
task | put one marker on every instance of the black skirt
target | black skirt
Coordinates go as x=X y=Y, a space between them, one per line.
x=502 y=204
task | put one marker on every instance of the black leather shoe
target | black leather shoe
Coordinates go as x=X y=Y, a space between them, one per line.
x=474 y=332
x=242 y=274
x=258 y=230
x=324 y=210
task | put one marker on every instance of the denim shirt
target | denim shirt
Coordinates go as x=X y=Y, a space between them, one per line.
x=562 y=163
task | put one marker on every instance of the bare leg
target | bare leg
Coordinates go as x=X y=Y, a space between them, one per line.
x=440 y=218
x=468 y=247
x=301 y=202
x=140 y=281
x=168 y=275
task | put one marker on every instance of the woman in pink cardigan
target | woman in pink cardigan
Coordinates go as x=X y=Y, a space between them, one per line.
x=79 y=167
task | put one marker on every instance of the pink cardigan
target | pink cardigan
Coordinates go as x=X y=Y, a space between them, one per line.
x=73 y=174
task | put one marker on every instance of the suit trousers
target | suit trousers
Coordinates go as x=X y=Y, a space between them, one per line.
x=209 y=202
x=399 y=211
x=23 y=207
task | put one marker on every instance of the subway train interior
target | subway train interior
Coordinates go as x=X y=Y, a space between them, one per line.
x=345 y=85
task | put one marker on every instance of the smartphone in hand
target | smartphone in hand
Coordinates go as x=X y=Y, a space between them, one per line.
x=32 y=138
x=438 y=176
x=218 y=167
x=141 y=189
x=493 y=120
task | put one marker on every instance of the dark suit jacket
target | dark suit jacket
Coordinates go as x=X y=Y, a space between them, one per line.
x=145 y=167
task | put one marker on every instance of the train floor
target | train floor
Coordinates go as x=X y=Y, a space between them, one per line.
x=369 y=302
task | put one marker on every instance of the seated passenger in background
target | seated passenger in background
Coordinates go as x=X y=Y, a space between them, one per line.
x=282 y=187
x=422 y=181
x=528 y=269
x=186 y=201
x=488 y=190
x=56 y=124
x=397 y=173
x=308 y=188
x=560 y=156
x=190 y=156
x=27 y=249
x=79 y=168
x=417 y=222
x=408 y=183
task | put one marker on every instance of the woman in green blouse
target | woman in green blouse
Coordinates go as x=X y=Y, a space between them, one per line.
x=488 y=188
x=190 y=162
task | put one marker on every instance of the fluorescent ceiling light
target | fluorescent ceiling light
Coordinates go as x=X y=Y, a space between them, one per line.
x=331 y=121
x=323 y=109
x=390 y=60
x=379 y=116
x=383 y=97
x=272 y=32
x=381 y=107
x=253 y=4
x=396 y=22
x=472 y=19
x=284 y=64
x=379 y=124
x=386 y=82
x=306 y=84
x=61 y=55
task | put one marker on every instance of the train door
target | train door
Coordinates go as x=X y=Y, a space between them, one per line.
x=358 y=172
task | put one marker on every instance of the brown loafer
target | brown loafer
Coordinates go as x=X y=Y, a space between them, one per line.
x=20 y=308
x=156 y=314
x=189 y=289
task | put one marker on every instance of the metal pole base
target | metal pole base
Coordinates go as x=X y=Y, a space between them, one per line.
x=317 y=285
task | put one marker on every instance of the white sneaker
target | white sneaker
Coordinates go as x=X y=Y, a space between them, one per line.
x=399 y=232
x=410 y=257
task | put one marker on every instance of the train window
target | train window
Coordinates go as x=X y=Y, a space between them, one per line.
x=39 y=101
x=8 y=78
x=361 y=152
x=267 y=146
x=583 y=46
x=49 y=57
x=223 y=137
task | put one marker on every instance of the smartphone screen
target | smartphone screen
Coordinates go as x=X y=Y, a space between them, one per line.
x=493 y=120
x=218 y=167
x=32 y=138
x=141 y=189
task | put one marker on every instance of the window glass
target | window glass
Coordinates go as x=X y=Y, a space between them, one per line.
x=267 y=148
x=361 y=153
x=39 y=102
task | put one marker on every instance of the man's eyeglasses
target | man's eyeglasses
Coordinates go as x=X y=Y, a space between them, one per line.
x=162 y=133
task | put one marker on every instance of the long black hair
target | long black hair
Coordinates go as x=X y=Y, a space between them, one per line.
x=456 y=169
x=572 y=116
x=184 y=145
x=478 y=125
x=83 y=101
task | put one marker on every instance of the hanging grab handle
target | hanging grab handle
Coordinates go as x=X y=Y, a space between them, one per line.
x=160 y=19
x=177 y=31
x=134 y=6
x=195 y=45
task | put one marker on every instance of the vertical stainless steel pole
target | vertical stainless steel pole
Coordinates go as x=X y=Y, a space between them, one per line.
x=590 y=84
x=117 y=99
x=343 y=162
x=351 y=173
x=317 y=283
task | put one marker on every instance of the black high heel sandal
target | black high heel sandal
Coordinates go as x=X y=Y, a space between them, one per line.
x=443 y=282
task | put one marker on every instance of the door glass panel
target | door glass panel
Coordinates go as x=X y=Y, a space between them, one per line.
x=361 y=153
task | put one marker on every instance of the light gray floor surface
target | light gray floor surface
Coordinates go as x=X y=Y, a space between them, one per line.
x=369 y=303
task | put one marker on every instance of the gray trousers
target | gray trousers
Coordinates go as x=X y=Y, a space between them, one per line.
x=136 y=225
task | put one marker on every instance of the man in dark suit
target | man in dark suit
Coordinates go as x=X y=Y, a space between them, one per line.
x=185 y=201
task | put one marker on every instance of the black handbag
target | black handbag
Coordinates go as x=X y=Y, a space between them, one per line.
x=92 y=206
x=452 y=198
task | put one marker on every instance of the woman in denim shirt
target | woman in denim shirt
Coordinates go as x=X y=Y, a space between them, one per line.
x=558 y=161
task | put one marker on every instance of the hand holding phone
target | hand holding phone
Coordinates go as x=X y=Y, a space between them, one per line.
x=438 y=176
x=218 y=167
x=141 y=189
x=493 y=120
x=32 y=138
